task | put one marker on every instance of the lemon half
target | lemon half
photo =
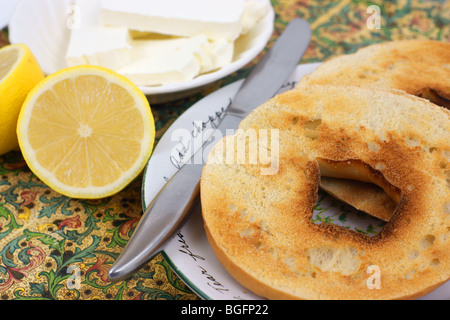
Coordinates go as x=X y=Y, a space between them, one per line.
x=86 y=131
x=19 y=73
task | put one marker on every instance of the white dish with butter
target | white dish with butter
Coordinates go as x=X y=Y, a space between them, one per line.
x=48 y=35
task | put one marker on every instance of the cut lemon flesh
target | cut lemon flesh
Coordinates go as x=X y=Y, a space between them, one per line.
x=8 y=59
x=86 y=131
x=19 y=73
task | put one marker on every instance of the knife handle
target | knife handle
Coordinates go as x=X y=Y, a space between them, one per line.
x=166 y=212
x=159 y=221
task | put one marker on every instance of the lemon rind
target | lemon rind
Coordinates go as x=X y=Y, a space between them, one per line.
x=91 y=192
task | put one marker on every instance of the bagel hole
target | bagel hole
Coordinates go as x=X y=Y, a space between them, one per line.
x=361 y=206
x=346 y=216
x=434 y=97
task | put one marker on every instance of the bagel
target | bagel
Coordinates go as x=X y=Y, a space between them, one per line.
x=418 y=67
x=260 y=225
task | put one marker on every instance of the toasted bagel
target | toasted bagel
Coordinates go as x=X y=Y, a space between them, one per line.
x=418 y=67
x=260 y=227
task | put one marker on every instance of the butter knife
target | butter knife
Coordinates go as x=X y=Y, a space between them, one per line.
x=170 y=207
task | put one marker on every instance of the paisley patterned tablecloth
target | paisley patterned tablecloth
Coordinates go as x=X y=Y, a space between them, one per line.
x=46 y=237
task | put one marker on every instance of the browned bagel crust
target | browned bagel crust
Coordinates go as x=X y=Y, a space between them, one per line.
x=260 y=226
x=418 y=67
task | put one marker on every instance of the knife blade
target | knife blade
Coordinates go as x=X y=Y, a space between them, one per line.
x=172 y=204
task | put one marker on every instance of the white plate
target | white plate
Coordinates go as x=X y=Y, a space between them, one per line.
x=188 y=251
x=6 y=10
x=43 y=26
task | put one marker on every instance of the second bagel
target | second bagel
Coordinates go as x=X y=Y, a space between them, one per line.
x=418 y=67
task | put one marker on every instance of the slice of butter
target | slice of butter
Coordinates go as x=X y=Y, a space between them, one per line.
x=93 y=43
x=165 y=61
x=219 y=53
x=217 y=19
